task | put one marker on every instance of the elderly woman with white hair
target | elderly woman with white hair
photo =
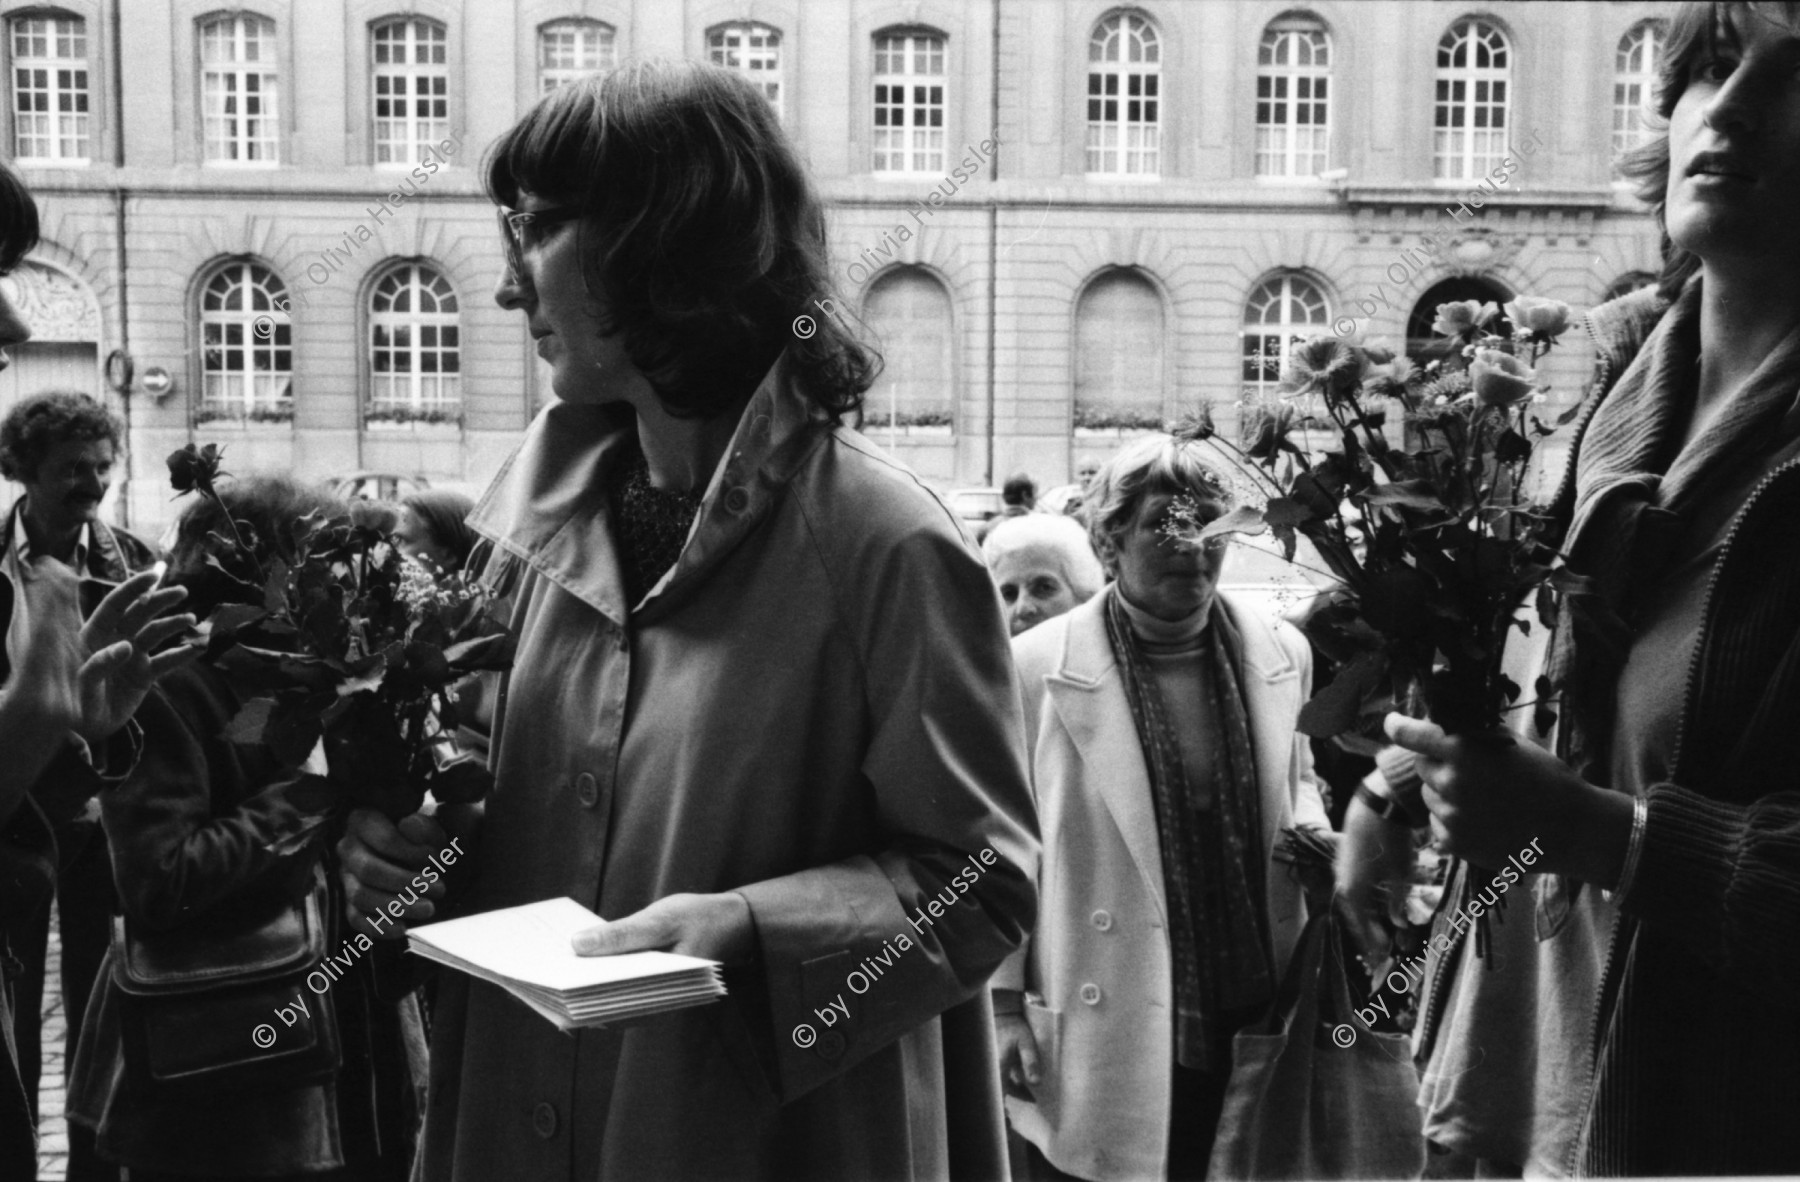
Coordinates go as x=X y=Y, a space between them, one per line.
x=1043 y=564
x=1165 y=761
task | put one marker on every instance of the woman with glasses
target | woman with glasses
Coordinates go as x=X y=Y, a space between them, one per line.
x=761 y=711
x=1161 y=721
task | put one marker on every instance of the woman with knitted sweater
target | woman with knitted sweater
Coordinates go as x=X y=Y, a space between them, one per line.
x=1678 y=786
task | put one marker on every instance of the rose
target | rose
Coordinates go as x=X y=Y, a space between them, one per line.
x=1458 y=317
x=1380 y=350
x=1543 y=318
x=193 y=469
x=1500 y=379
x=1269 y=432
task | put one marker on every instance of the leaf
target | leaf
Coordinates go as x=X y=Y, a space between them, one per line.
x=427 y=663
x=1546 y=606
x=1510 y=688
x=1410 y=494
x=1336 y=708
x=1511 y=447
x=296 y=838
x=313 y=794
x=484 y=652
x=275 y=587
x=231 y=618
x=247 y=725
x=1245 y=519
x=1285 y=513
x=462 y=782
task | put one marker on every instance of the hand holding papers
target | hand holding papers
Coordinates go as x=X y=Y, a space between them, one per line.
x=527 y=952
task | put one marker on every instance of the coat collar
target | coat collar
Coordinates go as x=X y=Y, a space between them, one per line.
x=548 y=506
x=1090 y=700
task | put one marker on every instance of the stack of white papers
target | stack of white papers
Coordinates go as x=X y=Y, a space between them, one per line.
x=526 y=951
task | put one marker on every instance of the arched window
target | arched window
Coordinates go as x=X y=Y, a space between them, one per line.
x=50 y=89
x=909 y=102
x=909 y=310
x=1627 y=283
x=246 y=350
x=753 y=50
x=415 y=355
x=1124 y=97
x=1118 y=353
x=1284 y=310
x=1474 y=72
x=410 y=58
x=1424 y=345
x=1293 y=103
x=239 y=94
x=1634 y=83
x=571 y=50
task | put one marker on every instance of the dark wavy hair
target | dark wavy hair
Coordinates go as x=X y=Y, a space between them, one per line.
x=18 y=220
x=269 y=504
x=38 y=424
x=702 y=233
x=1695 y=32
x=445 y=514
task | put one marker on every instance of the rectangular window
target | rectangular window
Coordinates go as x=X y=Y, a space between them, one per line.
x=411 y=90
x=50 y=89
x=571 y=50
x=240 y=108
x=909 y=104
x=753 y=51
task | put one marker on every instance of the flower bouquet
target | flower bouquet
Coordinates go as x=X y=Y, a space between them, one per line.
x=339 y=639
x=1435 y=549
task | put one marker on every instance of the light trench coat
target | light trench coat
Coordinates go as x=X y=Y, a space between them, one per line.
x=1097 y=976
x=815 y=708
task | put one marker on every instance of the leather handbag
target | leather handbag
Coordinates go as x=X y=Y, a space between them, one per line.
x=199 y=1004
x=1314 y=1092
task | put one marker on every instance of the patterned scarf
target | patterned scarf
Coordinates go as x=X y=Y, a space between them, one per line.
x=1212 y=855
x=651 y=525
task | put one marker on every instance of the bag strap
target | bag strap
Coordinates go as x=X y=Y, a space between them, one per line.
x=1297 y=1000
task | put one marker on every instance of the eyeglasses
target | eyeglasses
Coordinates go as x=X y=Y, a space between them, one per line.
x=522 y=229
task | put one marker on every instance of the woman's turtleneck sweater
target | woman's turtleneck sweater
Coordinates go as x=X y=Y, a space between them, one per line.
x=1175 y=650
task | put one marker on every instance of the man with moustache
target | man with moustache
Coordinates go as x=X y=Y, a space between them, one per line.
x=63 y=448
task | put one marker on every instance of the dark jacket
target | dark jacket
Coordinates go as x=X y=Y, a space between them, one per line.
x=191 y=830
x=27 y=839
x=1699 y=1065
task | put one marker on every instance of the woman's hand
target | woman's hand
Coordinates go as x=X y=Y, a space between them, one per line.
x=1374 y=860
x=378 y=859
x=716 y=927
x=1019 y=1070
x=1491 y=796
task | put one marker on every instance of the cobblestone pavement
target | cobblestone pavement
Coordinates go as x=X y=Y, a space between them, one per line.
x=53 y=1132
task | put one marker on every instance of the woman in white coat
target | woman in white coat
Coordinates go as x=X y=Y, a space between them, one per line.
x=1165 y=761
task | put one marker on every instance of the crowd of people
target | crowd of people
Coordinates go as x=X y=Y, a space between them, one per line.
x=768 y=704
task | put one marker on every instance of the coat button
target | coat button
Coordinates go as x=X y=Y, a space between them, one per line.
x=588 y=789
x=831 y=1046
x=543 y=1120
x=737 y=499
x=1090 y=993
x=1102 y=920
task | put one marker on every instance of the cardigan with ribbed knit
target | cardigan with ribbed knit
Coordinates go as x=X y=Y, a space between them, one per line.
x=1699 y=1062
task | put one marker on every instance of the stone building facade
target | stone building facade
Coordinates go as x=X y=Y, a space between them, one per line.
x=1062 y=220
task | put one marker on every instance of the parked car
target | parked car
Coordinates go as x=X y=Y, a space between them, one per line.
x=377 y=486
x=975 y=504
